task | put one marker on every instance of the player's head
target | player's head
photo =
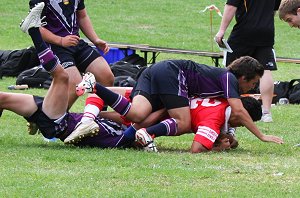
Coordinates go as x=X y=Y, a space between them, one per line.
x=248 y=71
x=289 y=11
x=253 y=107
x=222 y=138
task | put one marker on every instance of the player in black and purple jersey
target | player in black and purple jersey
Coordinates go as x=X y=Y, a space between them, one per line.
x=169 y=84
x=64 y=19
x=50 y=113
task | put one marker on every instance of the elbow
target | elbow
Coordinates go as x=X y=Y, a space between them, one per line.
x=197 y=148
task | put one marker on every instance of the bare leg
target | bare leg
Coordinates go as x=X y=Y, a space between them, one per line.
x=21 y=104
x=74 y=79
x=183 y=119
x=102 y=72
x=266 y=90
x=56 y=100
x=98 y=67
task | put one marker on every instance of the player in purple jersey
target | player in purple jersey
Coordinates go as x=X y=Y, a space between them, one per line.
x=63 y=20
x=50 y=113
x=168 y=84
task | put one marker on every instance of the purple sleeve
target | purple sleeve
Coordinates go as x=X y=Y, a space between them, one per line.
x=230 y=85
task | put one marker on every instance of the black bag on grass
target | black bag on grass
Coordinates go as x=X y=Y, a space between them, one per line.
x=287 y=89
x=135 y=59
x=122 y=68
x=36 y=77
x=294 y=92
x=124 y=81
x=13 y=62
x=281 y=90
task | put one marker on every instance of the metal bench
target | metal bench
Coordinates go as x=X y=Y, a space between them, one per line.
x=215 y=56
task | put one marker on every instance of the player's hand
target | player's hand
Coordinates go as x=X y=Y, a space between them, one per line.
x=219 y=36
x=225 y=144
x=271 y=138
x=102 y=45
x=70 y=40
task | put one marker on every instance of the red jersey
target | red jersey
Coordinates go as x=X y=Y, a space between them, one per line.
x=208 y=117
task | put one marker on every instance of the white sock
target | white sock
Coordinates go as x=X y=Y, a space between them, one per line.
x=90 y=112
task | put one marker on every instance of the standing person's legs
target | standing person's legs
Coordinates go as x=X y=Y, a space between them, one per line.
x=55 y=102
x=266 y=87
x=74 y=79
x=81 y=59
x=102 y=72
x=88 y=59
x=266 y=56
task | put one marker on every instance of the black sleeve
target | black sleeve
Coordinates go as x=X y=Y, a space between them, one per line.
x=235 y=3
x=32 y=3
x=277 y=4
x=81 y=5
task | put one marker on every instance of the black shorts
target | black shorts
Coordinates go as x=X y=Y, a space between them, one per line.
x=264 y=54
x=48 y=127
x=163 y=85
x=80 y=55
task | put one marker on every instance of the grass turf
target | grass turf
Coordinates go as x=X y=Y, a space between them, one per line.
x=31 y=167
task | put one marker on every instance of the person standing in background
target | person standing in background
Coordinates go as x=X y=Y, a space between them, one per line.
x=289 y=11
x=253 y=35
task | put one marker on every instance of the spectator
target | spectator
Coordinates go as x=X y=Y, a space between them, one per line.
x=289 y=11
x=253 y=35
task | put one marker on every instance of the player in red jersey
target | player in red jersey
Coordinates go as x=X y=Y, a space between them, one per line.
x=212 y=117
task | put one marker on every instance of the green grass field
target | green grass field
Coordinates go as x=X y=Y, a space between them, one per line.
x=31 y=167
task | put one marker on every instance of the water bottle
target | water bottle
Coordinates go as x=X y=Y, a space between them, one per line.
x=50 y=140
x=283 y=101
x=17 y=87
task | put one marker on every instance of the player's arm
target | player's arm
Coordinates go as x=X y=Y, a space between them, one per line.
x=87 y=28
x=198 y=147
x=239 y=111
x=229 y=12
x=224 y=142
x=67 y=41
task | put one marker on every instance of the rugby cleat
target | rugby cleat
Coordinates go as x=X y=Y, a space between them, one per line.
x=33 y=19
x=32 y=128
x=145 y=140
x=82 y=130
x=87 y=85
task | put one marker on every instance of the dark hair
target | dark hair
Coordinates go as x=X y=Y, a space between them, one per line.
x=288 y=7
x=233 y=142
x=246 y=66
x=253 y=107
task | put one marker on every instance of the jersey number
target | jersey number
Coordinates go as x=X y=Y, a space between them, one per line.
x=206 y=102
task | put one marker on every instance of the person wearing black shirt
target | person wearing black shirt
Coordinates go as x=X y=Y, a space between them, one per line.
x=253 y=35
